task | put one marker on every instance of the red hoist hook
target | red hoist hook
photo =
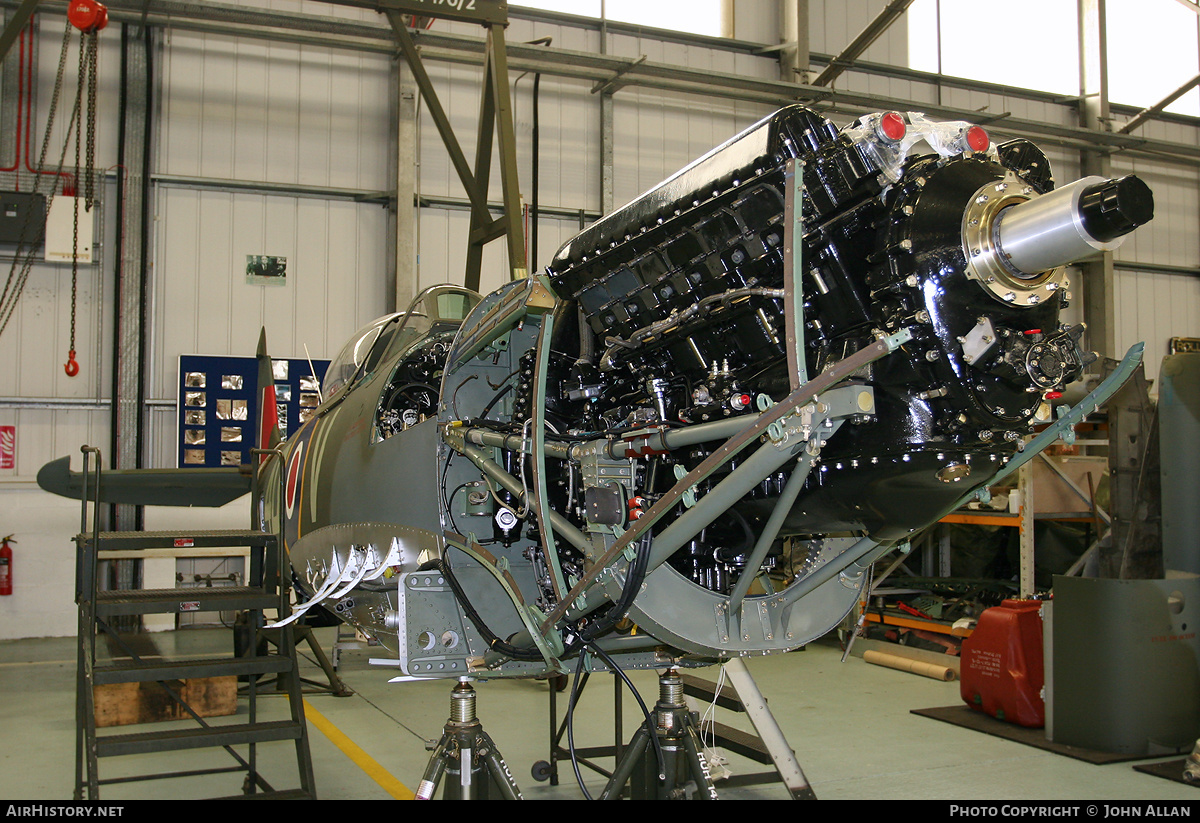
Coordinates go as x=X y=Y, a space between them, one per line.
x=71 y=367
x=87 y=15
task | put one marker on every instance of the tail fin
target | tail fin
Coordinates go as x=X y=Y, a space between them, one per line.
x=268 y=411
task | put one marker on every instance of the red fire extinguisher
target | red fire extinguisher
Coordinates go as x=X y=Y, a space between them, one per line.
x=6 y=565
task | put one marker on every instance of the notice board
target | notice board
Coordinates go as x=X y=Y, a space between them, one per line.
x=218 y=405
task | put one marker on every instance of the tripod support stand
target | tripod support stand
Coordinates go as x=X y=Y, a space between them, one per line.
x=677 y=730
x=468 y=755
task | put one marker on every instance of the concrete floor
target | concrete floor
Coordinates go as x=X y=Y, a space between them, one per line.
x=849 y=724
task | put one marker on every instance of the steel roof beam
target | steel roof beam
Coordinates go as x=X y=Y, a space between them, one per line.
x=873 y=31
x=1155 y=110
x=597 y=68
x=16 y=23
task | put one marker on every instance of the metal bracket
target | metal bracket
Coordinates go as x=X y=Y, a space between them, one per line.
x=689 y=494
x=610 y=85
x=1067 y=434
x=1066 y=421
x=432 y=636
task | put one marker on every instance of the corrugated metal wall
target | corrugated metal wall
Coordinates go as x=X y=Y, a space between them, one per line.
x=1153 y=306
x=569 y=157
x=280 y=114
x=235 y=113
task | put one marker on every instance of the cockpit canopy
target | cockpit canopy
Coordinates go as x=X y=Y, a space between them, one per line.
x=350 y=359
x=434 y=308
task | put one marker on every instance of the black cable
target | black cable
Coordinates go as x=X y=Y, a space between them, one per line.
x=483 y=414
x=493 y=640
x=633 y=584
x=414 y=733
x=454 y=396
x=650 y=725
x=748 y=539
x=571 y=727
x=442 y=488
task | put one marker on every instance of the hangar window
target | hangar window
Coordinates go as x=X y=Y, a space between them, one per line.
x=693 y=16
x=1152 y=51
x=1152 y=47
x=944 y=38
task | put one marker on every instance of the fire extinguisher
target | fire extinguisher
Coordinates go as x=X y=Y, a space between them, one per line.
x=6 y=565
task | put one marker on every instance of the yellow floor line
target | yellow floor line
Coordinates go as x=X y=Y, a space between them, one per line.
x=361 y=759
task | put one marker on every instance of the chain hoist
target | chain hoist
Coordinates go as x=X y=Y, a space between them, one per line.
x=89 y=17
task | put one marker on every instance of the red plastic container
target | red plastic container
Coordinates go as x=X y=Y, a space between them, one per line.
x=1002 y=666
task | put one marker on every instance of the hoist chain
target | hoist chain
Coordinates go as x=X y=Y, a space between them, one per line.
x=75 y=202
x=90 y=38
x=87 y=77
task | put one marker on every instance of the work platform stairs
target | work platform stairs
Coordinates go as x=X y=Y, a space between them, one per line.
x=100 y=611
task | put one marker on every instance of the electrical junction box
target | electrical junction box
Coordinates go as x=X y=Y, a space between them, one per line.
x=60 y=230
x=22 y=215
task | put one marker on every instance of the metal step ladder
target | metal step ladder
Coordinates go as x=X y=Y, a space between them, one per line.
x=97 y=610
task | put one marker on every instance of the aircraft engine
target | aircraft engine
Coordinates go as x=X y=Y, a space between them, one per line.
x=690 y=437
x=696 y=305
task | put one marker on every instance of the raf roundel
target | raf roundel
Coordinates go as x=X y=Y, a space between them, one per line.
x=293 y=479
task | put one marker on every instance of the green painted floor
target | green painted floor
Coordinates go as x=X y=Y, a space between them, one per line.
x=849 y=724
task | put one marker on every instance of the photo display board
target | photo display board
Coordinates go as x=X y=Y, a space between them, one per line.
x=218 y=405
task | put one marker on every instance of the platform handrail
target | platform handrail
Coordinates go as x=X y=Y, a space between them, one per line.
x=259 y=519
x=87 y=561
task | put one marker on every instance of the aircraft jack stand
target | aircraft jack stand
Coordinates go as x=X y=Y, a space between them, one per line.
x=683 y=755
x=465 y=752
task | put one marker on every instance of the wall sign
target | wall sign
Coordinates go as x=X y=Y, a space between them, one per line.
x=8 y=447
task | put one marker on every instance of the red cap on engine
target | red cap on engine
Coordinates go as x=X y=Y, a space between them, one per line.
x=978 y=139
x=891 y=126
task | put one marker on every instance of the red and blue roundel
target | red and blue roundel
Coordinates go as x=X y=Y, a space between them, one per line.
x=292 y=487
